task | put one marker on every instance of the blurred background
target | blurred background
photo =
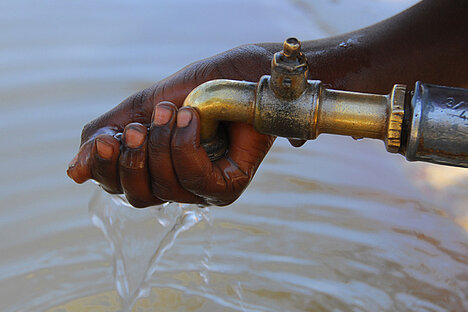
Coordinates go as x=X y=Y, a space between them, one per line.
x=337 y=225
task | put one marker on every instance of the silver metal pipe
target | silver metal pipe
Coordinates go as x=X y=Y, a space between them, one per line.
x=437 y=125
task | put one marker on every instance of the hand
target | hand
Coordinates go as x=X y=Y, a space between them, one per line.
x=150 y=164
x=150 y=149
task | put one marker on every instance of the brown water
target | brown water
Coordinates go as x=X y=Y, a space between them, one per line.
x=337 y=225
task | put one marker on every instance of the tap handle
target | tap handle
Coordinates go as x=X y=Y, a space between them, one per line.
x=289 y=71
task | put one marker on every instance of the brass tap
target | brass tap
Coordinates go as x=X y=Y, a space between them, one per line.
x=289 y=71
x=286 y=104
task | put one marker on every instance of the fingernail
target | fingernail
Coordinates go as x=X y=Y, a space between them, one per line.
x=104 y=149
x=183 y=118
x=162 y=115
x=71 y=173
x=133 y=138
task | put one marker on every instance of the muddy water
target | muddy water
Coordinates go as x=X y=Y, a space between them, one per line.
x=336 y=225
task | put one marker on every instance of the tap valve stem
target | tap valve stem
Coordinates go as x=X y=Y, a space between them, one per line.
x=289 y=71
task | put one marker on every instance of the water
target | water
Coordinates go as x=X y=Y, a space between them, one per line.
x=336 y=225
x=132 y=270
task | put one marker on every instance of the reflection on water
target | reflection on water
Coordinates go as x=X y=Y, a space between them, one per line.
x=336 y=225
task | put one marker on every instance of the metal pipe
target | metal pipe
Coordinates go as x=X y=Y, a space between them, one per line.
x=432 y=128
x=222 y=99
x=219 y=100
x=351 y=113
x=436 y=129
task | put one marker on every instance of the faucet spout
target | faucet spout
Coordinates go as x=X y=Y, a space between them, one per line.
x=221 y=100
x=286 y=104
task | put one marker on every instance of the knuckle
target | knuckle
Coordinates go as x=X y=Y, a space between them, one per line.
x=158 y=139
x=132 y=160
x=88 y=130
x=138 y=106
x=203 y=71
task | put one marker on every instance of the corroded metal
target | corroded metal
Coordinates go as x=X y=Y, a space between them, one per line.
x=293 y=118
x=286 y=104
x=395 y=120
x=289 y=71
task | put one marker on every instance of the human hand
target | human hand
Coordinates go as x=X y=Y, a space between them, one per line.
x=150 y=149
x=361 y=61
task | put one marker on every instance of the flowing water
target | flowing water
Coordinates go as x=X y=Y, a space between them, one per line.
x=337 y=225
x=118 y=221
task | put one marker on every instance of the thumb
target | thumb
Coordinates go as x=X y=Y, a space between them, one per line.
x=79 y=169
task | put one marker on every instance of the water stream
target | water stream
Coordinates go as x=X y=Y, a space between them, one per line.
x=132 y=268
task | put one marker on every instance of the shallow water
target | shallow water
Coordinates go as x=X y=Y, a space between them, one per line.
x=337 y=225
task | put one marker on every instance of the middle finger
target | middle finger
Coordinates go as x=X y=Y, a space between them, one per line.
x=164 y=180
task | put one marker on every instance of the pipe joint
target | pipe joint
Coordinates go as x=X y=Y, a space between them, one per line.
x=286 y=104
x=290 y=118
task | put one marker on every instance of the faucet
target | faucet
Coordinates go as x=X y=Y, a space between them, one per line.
x=428 y=124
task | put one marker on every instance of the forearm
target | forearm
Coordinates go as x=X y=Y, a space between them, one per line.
x=427 y=42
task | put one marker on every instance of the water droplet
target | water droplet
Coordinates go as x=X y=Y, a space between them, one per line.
x=348 y=43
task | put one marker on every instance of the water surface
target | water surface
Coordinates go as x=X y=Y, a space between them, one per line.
x=337 y=225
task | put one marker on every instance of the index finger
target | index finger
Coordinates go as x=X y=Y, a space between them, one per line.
x=220 y=182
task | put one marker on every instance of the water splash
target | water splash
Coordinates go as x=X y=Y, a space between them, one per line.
x=132 y=232
x=207 y=253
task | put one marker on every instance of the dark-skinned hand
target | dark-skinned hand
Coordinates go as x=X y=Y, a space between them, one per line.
x=148 y=147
